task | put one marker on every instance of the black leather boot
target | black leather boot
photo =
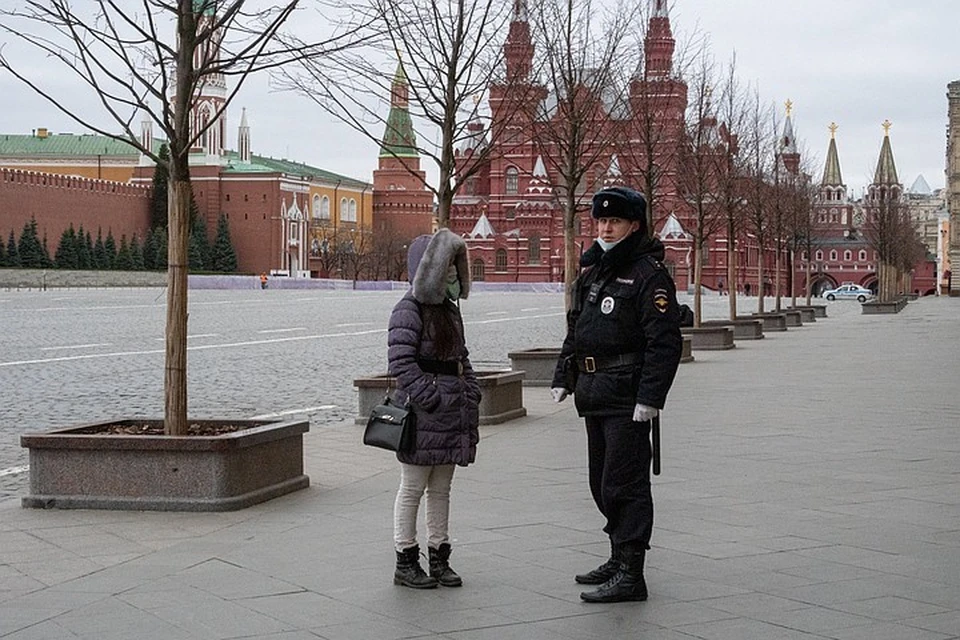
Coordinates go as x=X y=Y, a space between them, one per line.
x=627 y=585
x=440 y=566
x=409 y=573
x=605 y=571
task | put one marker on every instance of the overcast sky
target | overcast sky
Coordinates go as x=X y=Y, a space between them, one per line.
x=853 y=62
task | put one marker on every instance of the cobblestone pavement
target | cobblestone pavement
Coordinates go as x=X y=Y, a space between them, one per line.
x=82 y=355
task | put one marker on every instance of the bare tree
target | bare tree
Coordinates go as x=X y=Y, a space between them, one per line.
x=579 y=120
x=156 y=57
x=449 y=55
x=730 y=171
x=892 y=233
x=696 y=179
x=760 y=166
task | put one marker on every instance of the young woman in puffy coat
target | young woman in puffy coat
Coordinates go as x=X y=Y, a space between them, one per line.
x=428 y=357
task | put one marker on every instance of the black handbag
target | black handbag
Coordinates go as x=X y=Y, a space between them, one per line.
x=391 y=427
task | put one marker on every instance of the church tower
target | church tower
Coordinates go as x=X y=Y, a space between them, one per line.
x=207 y=113
x=787 y=152
x=834 y=210
x=402 y=205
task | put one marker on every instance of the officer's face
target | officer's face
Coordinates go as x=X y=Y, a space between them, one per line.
x=616 y=229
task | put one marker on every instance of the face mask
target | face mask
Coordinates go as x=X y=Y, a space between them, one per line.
x=606 y=246
x=453 y=284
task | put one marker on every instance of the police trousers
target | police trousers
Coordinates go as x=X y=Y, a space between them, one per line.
x=618 y=452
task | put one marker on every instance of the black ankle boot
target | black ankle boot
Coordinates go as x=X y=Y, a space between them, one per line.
x=440 y=566
x=409 y=573
x=626 y=585
x=605 y=571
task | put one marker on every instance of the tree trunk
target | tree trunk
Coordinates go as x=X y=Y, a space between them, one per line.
x=175 y=378
x=731 y=272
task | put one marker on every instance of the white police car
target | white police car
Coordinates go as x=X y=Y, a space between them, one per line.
x=849 y=292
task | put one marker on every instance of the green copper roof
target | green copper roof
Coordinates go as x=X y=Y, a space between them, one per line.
x=886 y=167
x=831 y=171
x=63 y=145
x=399 y=138
x=262 y=164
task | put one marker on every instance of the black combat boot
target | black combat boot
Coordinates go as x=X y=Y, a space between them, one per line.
x=626 y=585
x=409 y=573
x=440 y=566
x=605 y=571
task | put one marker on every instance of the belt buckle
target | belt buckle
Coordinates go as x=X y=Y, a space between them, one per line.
x=460 y=368
x=589 y=364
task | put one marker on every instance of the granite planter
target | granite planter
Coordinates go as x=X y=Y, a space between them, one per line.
x=877 y=307
x=538 y=365
x=717 y=338
x=502 y=395
x=83 y=468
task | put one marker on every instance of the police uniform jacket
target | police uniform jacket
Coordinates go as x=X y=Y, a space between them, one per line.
x=623 y=342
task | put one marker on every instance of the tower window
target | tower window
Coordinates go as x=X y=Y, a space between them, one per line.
x=512 y=181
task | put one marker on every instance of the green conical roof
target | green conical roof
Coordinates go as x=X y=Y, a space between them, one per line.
x=399 y=139
x=831 y=170
x=886 y=167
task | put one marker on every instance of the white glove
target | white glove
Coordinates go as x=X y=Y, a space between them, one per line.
x=559 y=394
x=642 y=413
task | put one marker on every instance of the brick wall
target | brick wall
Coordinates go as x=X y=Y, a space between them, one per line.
x=57 y=201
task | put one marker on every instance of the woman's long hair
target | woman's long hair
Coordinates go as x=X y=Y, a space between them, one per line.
x=444 y=327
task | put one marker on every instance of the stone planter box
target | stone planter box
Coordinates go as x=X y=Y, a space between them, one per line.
x=686 y=355
x=77 y=468
x=819 y=310
x=709 y=338
x=742 y=329
x=771 y=321
x=806 y=314
x=876 y=307
x=502 y=395
x=538 y=365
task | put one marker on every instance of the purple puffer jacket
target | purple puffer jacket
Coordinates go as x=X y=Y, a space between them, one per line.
x=446 y=406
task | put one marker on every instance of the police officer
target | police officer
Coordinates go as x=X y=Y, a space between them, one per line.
x=619 y=359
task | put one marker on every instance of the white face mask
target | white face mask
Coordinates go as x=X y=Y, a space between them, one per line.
x=606 y=246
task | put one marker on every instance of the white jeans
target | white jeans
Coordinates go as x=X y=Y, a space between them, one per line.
x=414 y=480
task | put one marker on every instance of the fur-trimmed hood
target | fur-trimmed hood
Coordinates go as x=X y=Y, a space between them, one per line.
x=428 y=259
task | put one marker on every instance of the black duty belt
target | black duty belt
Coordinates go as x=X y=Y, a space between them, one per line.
x=590 y=364
x=441 y=367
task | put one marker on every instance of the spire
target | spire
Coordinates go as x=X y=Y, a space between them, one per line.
x=243 y=138
x=886 y=167
x=659 y=44
x=788 y=143
x=399 y=139
x=146 y=132
x=518 y=49
x=831 y=170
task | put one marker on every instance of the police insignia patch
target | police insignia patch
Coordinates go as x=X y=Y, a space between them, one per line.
x=660 y=300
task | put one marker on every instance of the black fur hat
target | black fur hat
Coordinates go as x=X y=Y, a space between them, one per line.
x=620 y=202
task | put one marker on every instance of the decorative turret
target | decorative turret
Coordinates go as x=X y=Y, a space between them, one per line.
x=659 y=44
x=788 y=153
x=243 y=138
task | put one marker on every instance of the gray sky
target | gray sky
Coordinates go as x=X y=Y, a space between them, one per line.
x=853 y=62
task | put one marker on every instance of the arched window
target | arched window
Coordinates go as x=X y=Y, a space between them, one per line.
x=533 y=251
x=477 y=270
x=833 y=254
x=847 y=255
x=324 y=208
x=343 y=209
x=501 y=264
x=513 y=180
x=349 y=211
x=863 y=255
x=819 y=255
x=316 y=207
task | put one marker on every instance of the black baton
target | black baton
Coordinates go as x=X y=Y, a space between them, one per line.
x=655 y=448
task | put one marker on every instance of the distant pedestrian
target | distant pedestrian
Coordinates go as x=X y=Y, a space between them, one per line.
x=746 y=289
x=720 y=287
x=427 y=355
x=263 y=280
x=619 y=359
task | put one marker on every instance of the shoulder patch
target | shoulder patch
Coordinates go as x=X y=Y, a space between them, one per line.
x=661 y=301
